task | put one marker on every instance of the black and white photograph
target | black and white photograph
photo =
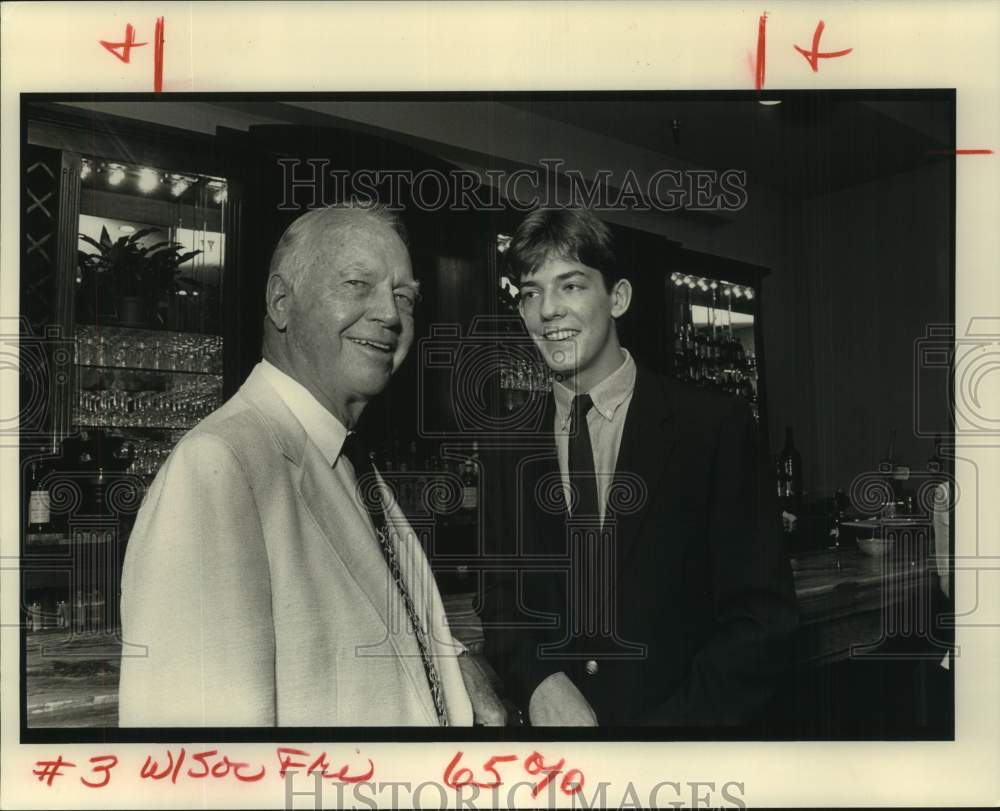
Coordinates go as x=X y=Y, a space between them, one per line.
x=615 y=410
x=498 y=405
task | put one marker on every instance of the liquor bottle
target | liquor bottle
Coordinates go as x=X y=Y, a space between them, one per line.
x=470 y=480
x=888 y=461
x=790 y=463
x=893 y=471
x=678 y=351
x=838 y=506
x=39 y=503
x=717 y=363
x=688 y=352
x=62 y=620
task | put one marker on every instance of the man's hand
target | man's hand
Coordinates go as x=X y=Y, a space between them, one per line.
x=557 y=702
x=487 y=709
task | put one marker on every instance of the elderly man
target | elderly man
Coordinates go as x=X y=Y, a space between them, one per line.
x=267 y=589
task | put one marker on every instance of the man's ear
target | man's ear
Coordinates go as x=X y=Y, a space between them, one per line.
x=278 y=298
x=621 y=297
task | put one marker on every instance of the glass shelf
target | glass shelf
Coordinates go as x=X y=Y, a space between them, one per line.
x=148 y=349
x=147 y=369
x=93 y=425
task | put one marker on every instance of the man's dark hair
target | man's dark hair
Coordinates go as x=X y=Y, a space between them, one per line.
x=570 y=234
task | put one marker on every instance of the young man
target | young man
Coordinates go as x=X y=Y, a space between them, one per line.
x=674 y=602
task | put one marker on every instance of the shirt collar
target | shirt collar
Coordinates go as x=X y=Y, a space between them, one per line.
x=323 y=428
x=607 y=395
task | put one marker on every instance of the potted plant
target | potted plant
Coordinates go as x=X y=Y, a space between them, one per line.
x=135 y=277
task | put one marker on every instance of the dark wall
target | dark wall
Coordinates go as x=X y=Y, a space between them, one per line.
x=874 y=271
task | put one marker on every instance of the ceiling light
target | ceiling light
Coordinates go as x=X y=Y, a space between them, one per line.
x=115 y=175
x=769 y=102
x=749 y=294
x=84 y=170
x=220 y=196
x=179 y=187
x=148 y=180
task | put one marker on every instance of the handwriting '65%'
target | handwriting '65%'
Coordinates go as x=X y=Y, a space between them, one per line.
x=571 y=782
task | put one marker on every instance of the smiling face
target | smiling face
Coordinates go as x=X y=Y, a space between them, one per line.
x=570 y=315
x=347 y=316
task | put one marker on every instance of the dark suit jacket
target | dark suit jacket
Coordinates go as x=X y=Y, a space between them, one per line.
x=700 y=594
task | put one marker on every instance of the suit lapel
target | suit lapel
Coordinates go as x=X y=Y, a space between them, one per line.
x=648 y=443
x=542 y=490
x=343 y=527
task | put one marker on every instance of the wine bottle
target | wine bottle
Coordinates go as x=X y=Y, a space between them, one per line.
x=888 y=461
x=39 y=503
x=790 y=463
x=780 y=478
x=678 y=350
x=894 y=471
x=470 y=480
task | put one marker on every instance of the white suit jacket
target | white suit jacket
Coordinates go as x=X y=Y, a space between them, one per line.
x=260 y=602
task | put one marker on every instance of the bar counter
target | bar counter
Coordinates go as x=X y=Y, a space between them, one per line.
x=846 y=600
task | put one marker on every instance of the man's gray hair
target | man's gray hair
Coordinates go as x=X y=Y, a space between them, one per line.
x=295 y=250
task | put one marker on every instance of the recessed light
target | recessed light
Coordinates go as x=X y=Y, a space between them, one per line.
x=148 y=180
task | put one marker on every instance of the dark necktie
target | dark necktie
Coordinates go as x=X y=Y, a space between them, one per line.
x=357 y=454
x=582 y=478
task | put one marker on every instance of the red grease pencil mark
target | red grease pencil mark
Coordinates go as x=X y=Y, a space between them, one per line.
x=126 y=47
x=813 y=56
x=761 y=49
x=960 y=152
x=158 y=57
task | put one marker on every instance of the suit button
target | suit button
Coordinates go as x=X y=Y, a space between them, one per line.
x=592 y=667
